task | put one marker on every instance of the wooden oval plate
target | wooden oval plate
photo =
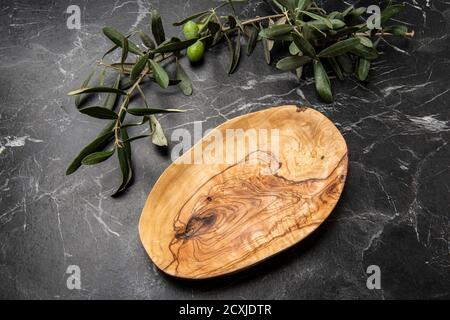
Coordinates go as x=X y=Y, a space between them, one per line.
x=205 y=217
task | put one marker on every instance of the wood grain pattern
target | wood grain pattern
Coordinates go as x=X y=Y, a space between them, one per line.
x=207 y=220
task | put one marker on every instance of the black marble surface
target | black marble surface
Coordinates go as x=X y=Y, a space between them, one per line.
x=394 y=212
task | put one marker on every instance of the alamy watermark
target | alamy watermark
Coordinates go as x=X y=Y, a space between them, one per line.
x=73 y=281
x=374 y=279
x=374 y=20
x=74 y=20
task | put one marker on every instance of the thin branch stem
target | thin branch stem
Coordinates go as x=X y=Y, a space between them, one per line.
x=143 y=96
x=124 y=106
x=257 y=19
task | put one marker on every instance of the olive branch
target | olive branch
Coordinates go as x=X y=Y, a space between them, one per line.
x=339 y=41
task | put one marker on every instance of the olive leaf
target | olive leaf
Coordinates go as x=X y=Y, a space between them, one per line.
x=292 y=62
x=336 y=68
x=111 y=98
x=124 y=51
x=138 y=67
x=97 y=157
x=339 y=48
x=101 y=78
x=109 y=51
x=185 y=82
x=303 y=45
x=364 y=52
x=275 y=31
x=391 y=11
x=174 y=46
x=192 y=17
x=347 y=11
x=157 y=133
x=166 y=41
x=283 y=37
x=337 y=23
x=96 y=90
x=160 y=74
x=148 y=111
x=362 y=69
x=347 y=31
x=124 y=156
x=303 y=4
x=96 y=145
x=234 y=53
x=278 y=5
x=85 y=83
x=117 y=38
x=146 y=40
x=266 y=48
x=365 y=41
x=230 y=53
x=237 y=52
x=157 y=28
x=312 y=32
x=273 y=6
x=252 y=39
x=99 y=112
x=320 y=25
x=314 y=16
x=355 y=13
x=335 y=15
x=288 y=4
x=397 y=30
x=345 y=62
x=323 y=86
x=270 y=43
x=108 y=128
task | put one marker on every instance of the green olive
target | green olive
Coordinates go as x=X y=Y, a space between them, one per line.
x=190 y=30
x=195 y=52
